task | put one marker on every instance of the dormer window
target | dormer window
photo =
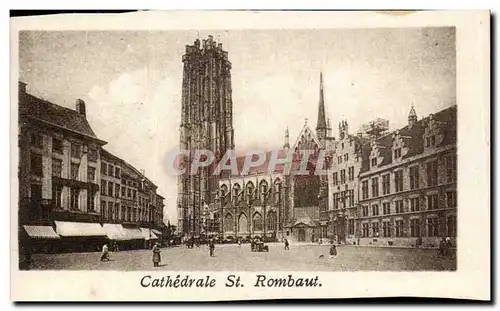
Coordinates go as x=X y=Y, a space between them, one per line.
x=374 y=162
x=397 y=153
x=430 y=141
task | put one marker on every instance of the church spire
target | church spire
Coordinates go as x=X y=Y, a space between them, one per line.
x=286 y=145
x=321 y=126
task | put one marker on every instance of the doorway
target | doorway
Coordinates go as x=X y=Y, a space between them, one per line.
x=302 y=235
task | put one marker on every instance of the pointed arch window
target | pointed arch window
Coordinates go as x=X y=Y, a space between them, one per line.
x=250 y=193
x=257 y=222
x=263 y=191
x=228 y=223
x=242 y=223
x=271 y=221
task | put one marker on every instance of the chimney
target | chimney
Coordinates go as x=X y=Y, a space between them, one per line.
x=80 y=107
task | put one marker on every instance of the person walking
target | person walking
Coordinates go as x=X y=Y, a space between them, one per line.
x=212 y=248
x=156 y=255
x=287 y=245
x=442 y=246
x=239 y=242
x=333 y=251
x=105 y=253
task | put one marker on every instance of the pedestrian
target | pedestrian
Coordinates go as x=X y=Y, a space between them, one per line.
x=419 y=241
x=212 y=248
x=442 y=246
x=105 y=253
x=156 y=255
x=333 y=251
x=287 y=245
x=239 y=242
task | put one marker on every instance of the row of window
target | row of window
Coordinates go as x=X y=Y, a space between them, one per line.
x=74 y=202
x=343 y=176
x=58 y=147
x=113 y=211
x=414 y=176
x=415 y=228
x=110 y=170
x=74 y=170
x=414 y=205
x=112 y=189
x=344 y=199
x=346 y=158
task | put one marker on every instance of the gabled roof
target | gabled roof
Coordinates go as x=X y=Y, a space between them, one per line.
x=305 y=131
x=55 y=115
x=414 y=136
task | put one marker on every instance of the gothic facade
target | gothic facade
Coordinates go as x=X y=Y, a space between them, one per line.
x=276 y=204
x=206 y=123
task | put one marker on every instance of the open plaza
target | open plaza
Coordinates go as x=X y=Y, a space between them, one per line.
x=231 y=257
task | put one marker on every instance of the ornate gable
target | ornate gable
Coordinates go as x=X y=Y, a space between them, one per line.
x=307 y=139
x=376 y=153
x=400 y=146
x=434 y=132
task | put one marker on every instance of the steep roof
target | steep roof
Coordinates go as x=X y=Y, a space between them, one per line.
x=414 y=136
x=55 y=115
x=321 y=107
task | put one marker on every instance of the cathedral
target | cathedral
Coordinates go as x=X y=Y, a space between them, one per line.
x=206 y=123
x=270 y=204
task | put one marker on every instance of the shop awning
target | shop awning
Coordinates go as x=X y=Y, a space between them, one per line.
x=114 y=232
x=132 y=233
x=148 y=234
x=156 y=231
x=41 y=232
x=79 y=229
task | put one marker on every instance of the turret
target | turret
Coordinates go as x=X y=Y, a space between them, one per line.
x=412 y=117
x=286 y=144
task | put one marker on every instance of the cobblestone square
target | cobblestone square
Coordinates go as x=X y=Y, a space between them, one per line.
x=300 y=257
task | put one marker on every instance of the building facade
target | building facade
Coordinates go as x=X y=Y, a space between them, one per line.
x=206 y=123
x=59 y=170
x=343 y=184
x=408 y=183
x=71 y=190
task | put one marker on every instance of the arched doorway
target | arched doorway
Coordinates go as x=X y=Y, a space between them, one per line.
x=302 y=235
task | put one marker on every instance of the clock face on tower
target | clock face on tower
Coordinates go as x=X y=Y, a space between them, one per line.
x=342 y=135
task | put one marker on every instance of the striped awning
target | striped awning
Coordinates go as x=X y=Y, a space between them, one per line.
x=79 y=229
x=114 y=232
x=132 y=233
x=41 y=232
x=156 y=231
x=148 y=234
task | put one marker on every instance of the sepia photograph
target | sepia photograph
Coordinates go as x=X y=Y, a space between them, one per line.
x=300 y=151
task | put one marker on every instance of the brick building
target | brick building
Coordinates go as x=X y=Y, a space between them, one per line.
x=343 y=184
x=59 y=176
x=73 y=194
x=408 y=183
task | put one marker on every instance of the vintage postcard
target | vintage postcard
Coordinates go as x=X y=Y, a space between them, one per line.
x=211 y=156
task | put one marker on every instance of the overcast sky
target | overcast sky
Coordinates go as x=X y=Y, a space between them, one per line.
x=131 y=82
